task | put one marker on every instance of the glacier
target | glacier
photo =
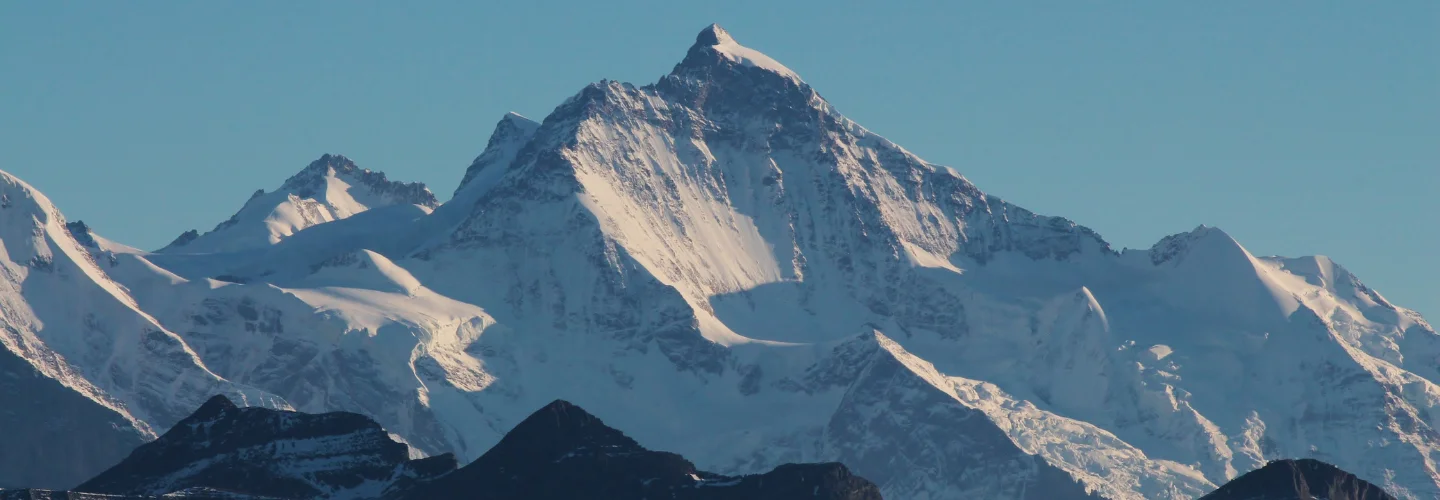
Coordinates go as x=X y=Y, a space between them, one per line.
x=726 y=267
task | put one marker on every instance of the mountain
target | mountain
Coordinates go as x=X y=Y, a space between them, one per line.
x=85 y=374
x=330 y=188
x=226 y=452
x=728 y=268
x=511 y=134
x=196 y=494
x=268 y=453
x=562 y=452
x=1303 y=479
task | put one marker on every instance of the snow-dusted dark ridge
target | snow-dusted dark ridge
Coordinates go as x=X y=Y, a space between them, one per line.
x=728 y=268
x=560 y=452
x=563 y=452
x=265 y=453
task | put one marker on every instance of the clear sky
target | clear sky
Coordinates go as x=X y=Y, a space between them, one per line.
x=1299 y=127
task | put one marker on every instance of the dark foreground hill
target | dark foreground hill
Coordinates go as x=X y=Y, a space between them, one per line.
x=1303 y=479
x=562 y=452
x=223 y=451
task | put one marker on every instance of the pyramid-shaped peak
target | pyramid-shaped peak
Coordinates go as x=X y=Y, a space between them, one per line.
x=512 y=126
x=560 y=427
x=714 y=48
x=561 y=405
x=510 y=135
x=713 y=35
x=564 y=414
x=514 y=117
x=213 y=407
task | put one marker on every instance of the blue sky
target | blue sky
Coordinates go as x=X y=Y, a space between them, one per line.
x=1298 y=127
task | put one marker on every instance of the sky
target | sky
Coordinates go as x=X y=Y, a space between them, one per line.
x=1298 y=127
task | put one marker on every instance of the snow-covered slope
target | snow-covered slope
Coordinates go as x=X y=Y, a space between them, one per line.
x=330 y=188
x=76 y=343
x=725 y=266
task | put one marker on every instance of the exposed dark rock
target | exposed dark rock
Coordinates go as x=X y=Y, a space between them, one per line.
x=563 y=452
x=311 y=179
x=1303 y=479
x=223 y=451
x=82 y=234
x=184 y=238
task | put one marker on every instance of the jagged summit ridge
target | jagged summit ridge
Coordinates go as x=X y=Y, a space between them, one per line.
x=310 y=180
x=214 y=407
x=328 y=189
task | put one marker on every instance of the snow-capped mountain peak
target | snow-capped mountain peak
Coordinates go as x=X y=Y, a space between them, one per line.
x=714 y=45
x=713 y=35
x=691 y=259
x=328 y=189
x=315 y=177
x=1173 y=249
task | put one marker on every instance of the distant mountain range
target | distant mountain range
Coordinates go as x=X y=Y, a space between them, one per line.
x=726 y=267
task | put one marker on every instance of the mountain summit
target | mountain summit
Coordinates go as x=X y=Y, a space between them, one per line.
x=714 y=45
x=1303 y=479
x=725 y=266
x=328 y=189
